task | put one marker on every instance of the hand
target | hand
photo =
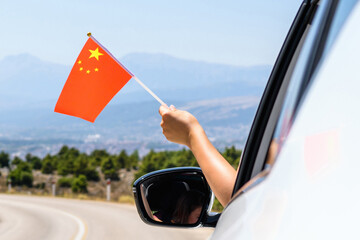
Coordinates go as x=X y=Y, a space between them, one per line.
x=178 y=126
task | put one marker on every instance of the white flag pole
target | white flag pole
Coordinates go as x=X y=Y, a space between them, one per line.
x=149 y=91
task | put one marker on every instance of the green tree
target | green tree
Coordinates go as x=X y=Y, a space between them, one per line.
x=123 y=161
x=108 y=168
x=16 y=160
x=4 y=159
x=151 y=162
x=34 y=161
x=134 y=159
x=64 y=149
x=47 y=165
x=79 y=184
x=65 y=166
x=67 y=152
x=80 y=165
x=28 y=157
x=66 y=159
x=97 y=156
x=232 y=155
x=92 y=174
x=182 y=158
x=26 y=179
x=21 y=175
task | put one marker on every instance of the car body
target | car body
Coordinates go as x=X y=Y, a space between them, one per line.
x=297 y=173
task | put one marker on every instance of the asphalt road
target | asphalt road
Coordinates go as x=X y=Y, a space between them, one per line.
x=33 y=218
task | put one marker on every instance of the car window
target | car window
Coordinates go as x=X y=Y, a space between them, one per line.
x=255 y=151
x=302 y=76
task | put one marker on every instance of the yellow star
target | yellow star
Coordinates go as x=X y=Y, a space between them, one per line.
x=96 y=69
x=81 y=69
x=79 y=62
x=88 y=71
x=95 y=53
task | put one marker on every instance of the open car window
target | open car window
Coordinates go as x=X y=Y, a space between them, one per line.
x=271 y=102
x=308 y=63
x=317 y=39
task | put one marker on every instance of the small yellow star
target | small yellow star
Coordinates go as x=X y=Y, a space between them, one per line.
x=96 y=69
x=95 y=53
x=79 y=62
x=81 y=69
x=88 y=71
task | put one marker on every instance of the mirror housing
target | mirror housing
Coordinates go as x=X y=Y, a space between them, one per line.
x=176 y=197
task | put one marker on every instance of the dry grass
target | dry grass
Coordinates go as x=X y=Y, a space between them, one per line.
x=126 y=199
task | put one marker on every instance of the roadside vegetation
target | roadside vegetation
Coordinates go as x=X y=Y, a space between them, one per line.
x=76 y=173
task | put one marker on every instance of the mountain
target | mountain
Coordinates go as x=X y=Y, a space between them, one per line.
x=127 y=126
x=224 y=98
x=28 y=82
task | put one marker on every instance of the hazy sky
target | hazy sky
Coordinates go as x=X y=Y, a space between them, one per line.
x=239 y=32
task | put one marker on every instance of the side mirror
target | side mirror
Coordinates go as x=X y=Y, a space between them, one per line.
x=178 y=197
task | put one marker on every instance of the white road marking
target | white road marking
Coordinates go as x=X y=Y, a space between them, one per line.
x=81 y=234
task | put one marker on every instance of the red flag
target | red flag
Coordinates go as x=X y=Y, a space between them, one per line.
x=93 y=81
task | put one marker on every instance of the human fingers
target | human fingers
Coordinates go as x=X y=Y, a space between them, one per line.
x=172 y=107
x=163 y=109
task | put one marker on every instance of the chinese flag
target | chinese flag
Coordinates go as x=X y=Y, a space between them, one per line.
x=93 y=81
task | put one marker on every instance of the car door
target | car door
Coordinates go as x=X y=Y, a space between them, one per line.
x=311 y=36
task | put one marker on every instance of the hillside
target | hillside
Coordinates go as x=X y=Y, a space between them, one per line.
x=224 y=99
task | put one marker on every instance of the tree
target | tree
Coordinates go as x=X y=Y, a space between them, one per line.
x=65 y=166
x=80 y=165
x=92 y=174
x=16 y=160
x=151 y=162
x=232 y=155
x=22 y=175
x=134 y=159
x=63 y=150
x=47 y=165
x=28 y=157
x=109 y=169
x=79 y=184
x=122 y=160
x=26 y=179
x=34 y=161
x=4 y=159
x=98 y=155
x=67 y=153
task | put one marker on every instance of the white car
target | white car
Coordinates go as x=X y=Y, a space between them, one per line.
x=297 y=174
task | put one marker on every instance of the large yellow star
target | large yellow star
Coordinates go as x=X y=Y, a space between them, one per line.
x=95 y=53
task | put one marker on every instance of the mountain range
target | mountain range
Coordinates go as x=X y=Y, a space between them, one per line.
x=224 y=98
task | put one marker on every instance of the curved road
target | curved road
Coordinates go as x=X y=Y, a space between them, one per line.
x=27 y=217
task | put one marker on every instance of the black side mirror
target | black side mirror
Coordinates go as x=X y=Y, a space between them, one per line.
x=178 y=197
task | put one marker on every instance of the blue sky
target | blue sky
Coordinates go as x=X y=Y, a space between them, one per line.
x=230 y=32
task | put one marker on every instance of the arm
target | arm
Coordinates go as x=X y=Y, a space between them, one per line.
x=183 y=128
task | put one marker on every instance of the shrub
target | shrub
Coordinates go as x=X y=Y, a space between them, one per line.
x=40 y=185
x=4 y=159
x=21 y=175
x=65 y=182
x=26 y=179
x=79 y=184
